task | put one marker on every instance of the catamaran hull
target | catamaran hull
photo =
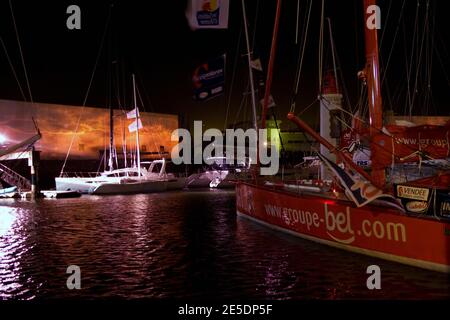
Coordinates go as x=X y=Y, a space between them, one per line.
x=80 y=185
x=375 y=231
x=130 y=188
x=211 y=179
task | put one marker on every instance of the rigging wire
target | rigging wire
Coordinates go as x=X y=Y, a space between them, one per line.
x=13 y=69
x=255 y=25
x=233 y=76
x=386 y=23
x=393 y=42
x=322 y=20
x=21 y=53
x=88 y=90
x=301 y=59
x=413 y=48
x=419 y=60
x=297 y=21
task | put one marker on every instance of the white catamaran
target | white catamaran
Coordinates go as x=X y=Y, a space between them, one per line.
x=129 y=180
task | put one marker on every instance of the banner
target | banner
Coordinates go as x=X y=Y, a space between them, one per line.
x=209 y=78
x=207 y=14
x=361 y=192
x=132 y=114
x=399 y=144
x=135 y=125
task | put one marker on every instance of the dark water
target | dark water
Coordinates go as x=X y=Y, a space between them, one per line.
x=180 y=245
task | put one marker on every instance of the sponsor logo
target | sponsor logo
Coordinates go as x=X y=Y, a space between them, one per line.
x=203 y=95
x=337 y=224
x=417 y=206
x=341 y=222
x=209 y=14
x=413 y=193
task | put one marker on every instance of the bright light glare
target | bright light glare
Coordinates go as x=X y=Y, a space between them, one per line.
x=2 y=138
x=7 y=219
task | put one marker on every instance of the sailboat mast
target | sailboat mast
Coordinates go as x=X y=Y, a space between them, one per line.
x=111 y=137
x=270 y=67
x=138 y=153
x=250 y=71
x=372 y=72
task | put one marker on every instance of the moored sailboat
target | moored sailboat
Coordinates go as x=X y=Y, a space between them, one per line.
x=363 y=216
x=128 y=180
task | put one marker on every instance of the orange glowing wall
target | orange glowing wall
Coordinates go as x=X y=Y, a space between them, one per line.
x=58 y=124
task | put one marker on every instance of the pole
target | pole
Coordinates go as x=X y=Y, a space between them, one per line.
x=373 y=87
x=270 y=67
x=138 y=152
x=250 y=71
x=111 y=138
x=34 y=165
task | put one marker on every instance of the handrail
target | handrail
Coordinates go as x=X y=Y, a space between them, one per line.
x=13 y=178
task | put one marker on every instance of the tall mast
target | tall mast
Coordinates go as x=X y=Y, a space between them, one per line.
x=138 y=152
x=372 y=73
x=270 y=67
x=111 y=137
x=250 y=71
x=138 y=145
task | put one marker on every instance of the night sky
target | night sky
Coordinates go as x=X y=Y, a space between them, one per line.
x=154 y=41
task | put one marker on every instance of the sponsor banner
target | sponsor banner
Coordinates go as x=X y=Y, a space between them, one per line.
x=413 y=193
x=381 y=230
x=208 y=79
x=208 y=14
x=410 y=144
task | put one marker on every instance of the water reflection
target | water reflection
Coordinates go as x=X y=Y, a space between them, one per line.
x=179 y=245
x=16 y=225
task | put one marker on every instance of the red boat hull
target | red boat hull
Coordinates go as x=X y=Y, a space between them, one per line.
x=376 y=231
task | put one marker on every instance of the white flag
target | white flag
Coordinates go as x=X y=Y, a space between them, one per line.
x=132 y=114
x=135 y=125
x=207 y=14
x=256 y=64
x=271 y=102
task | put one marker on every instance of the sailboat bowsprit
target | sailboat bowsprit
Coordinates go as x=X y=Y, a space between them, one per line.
x=413 y=228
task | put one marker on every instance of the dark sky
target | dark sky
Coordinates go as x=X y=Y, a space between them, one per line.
x=152 y=39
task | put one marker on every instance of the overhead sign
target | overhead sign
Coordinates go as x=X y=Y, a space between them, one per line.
x=209 y=78
x=207 y=14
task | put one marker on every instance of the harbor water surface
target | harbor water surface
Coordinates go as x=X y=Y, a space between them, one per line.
x=180 y=245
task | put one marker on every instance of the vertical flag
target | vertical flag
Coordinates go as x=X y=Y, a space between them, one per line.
x=360 y=191
x=207 y=14
x=271 y=103
x=132 y=114
x=208 y=79
x=135 y=125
